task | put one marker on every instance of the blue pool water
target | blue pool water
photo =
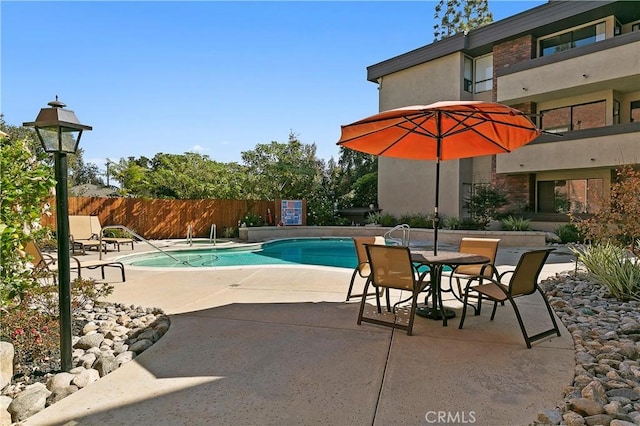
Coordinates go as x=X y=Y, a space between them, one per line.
x=338 y=252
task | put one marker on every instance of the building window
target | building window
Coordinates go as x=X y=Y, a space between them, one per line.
x=635 y=27
x=570 y=196
x=468 y=74
x=570 y=39
x=483 y=75
x=575 y=117
x=635 y=111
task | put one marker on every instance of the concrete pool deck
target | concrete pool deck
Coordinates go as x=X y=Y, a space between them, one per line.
x=278 y=345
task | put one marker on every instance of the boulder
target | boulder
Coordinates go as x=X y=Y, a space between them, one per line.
x=6 y=363
x=28 y=402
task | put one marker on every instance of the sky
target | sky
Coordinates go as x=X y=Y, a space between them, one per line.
x=211 y=77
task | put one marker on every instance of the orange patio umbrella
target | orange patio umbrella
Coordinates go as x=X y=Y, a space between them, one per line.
x=441 y=131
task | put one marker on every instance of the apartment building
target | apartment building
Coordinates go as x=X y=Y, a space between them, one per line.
x=573 y=65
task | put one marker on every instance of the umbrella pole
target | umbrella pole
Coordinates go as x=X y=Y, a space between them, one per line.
x=436 y=218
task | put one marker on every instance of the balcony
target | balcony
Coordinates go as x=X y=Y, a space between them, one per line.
x=581 y=149
x=612 y=64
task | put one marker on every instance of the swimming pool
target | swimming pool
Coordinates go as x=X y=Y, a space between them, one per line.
x=330 y=251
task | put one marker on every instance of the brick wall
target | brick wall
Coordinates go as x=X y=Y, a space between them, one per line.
x=520 y=189
x=510 y=53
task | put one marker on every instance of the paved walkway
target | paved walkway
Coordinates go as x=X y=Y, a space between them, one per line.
x=278 y=345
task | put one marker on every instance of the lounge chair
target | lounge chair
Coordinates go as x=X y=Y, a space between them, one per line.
x=362 y=268
x=45 y=262
x=96 y=228
x=523 y=282
x=81 y=236
x=391 y=267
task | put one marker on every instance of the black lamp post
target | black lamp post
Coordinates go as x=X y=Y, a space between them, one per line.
x=59 y=132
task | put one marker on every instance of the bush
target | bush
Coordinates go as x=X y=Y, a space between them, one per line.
x=32 y=326
x=485 y=203
x=612 y=267
x=569 y=233
x=388 y=220
x=513 y=223
x=251 y=219
x=452 y=222
x=617 y=221
x=472 y=224
x=26 y=183
x=373 y=218
x=418 y=220
x=35 y=336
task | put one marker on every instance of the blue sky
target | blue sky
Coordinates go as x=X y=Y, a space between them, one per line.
x=210 y=77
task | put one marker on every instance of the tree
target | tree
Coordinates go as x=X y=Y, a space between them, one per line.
x=617 y=220
x=356 y=179
x=282 y=170
x=26 y=183
x=82 y=173
x=455 y=16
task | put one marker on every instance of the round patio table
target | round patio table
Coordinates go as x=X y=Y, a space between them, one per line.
x=436 y=263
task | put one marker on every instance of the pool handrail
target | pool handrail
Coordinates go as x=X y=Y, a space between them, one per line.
x=406 y=229
x=141 y=238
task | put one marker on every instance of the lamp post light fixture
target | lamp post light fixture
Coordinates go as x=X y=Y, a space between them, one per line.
x=59 y=132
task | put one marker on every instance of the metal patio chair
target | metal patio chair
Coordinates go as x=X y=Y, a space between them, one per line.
x=363 y=268
x=391 y=268
x=523 y=282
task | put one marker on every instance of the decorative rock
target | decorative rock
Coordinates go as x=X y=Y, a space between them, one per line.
x=61 y=393
x=573 y=419
x=105 y=364
x=87 y=360
x=549 y=417
x=140 y=346
x=84 y=377
x=6 y=363
x=598 y=419
x=617 y=422
x=28 y=402
x=585 y=407
x=627 y=393
x=125 y=357
x=59 y=380
x=595 y=392
x=89 y=341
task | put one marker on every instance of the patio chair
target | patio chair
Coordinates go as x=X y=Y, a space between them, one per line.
x=42 y=262
x=81 y=236
x=483 y=246
x=96 y=228
x=48 y=263
x=362 y=268
x=523 y=282
x=391 y=267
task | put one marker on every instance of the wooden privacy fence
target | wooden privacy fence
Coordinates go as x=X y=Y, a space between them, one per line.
x=157 y=219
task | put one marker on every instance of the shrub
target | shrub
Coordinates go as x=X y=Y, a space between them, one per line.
x=569 y=233
x=417 y=220
x=472 y=224
x=617 y=221
x=452 y=222
x=251 y=219
x=34 y=334
x=485 y=203
x=513 y=223
x=612 y=267
x=388 y=220
x=373 y=218
x=230 y=232
x=32 y=325
x=26 y=184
